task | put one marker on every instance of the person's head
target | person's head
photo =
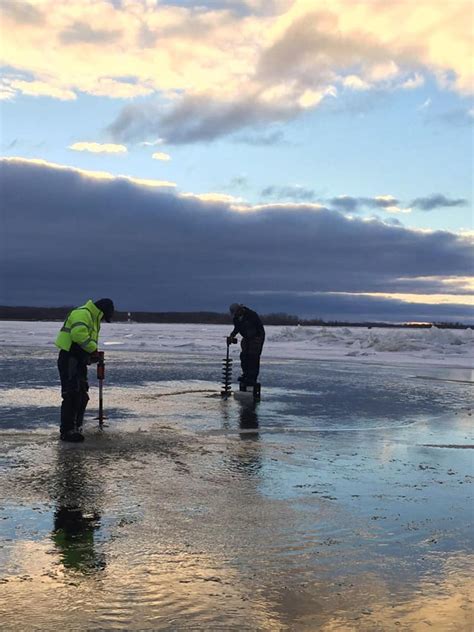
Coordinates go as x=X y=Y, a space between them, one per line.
x=235 y=308
x=106 y=306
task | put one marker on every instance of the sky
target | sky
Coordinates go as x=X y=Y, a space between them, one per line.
x=311 y=157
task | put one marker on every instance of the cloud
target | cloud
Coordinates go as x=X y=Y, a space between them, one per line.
x=455 y=117
x=153 y=143
x=349 y=204
x=37 y=89
x=212 y=197
x=358 y=307
x=86 y=174
x=99 y=148
x=423 y=299
x=437 y=200
x=150 y=247
x=196 y=118
x=6 y=92
x=383 y=201
x=239 y=182
x=426 y=104
x=346 y=203
x=273 y=61
x=160 y=155
x=22 y=12
x=397 y=209
x=120 y=89
x=81 y=32
x=296 y=193
x=271 y=138
x=413 y=82
x=331 y=41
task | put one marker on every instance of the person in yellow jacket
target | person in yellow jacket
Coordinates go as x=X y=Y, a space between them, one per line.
x=78 y=342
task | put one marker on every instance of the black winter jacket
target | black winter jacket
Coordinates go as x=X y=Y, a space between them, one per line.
x=248 y=325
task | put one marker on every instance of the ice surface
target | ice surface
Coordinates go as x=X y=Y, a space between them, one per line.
x=388 y=346
x=341 y=501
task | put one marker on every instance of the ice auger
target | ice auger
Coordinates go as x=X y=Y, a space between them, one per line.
x=101 y=378
x=227 y=370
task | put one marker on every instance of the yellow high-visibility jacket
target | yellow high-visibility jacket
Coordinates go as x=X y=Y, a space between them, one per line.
x=82 y=326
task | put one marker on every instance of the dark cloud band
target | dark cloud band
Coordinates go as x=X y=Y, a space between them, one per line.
x=67 y=236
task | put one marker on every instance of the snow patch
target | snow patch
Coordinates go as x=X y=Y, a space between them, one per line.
x=382 y=345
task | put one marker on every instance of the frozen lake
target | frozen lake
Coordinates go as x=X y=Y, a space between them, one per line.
x=341 y=501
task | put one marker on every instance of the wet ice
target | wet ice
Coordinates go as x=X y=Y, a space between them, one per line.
x=325 y=504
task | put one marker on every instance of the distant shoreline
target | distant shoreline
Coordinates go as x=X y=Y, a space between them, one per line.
x=26 y=313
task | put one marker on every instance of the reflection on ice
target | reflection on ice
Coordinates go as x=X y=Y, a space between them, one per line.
x=248 y=417
x=73 y=536
x=76 y=515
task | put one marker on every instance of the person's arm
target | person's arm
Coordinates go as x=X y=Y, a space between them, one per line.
x=236 y=329
x=234 y=332
x=231 y=338
x=81 y=331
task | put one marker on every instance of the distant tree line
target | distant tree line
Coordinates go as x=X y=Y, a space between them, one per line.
x=453 y=326
x=207 y=318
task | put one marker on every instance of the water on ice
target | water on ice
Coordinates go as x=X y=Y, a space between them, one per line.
x=342 y=500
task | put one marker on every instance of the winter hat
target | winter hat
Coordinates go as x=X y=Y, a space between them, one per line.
x=234 y=308
x=106 y=306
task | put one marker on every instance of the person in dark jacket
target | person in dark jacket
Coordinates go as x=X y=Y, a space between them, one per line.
x=78 y=342
x=247 y=323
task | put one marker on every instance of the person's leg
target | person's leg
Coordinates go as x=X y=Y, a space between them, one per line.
x=83 y=396
x=254 y=350
x=244 y=359
x=68 y=373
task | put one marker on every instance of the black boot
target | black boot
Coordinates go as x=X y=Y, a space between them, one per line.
x=72 y=436
x=72 y=413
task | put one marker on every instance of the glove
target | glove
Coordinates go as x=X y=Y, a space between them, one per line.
x=94 y=357
x=231 y=341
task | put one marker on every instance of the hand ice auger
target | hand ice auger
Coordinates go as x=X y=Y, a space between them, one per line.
x=101 y=378
x=227 y=374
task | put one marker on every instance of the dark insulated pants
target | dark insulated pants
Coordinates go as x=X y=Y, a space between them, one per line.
x=250 y=358
x=74 y=391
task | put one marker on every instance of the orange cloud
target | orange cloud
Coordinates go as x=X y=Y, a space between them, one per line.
x=99 y=148
x=309 y=46
x=160 y=155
